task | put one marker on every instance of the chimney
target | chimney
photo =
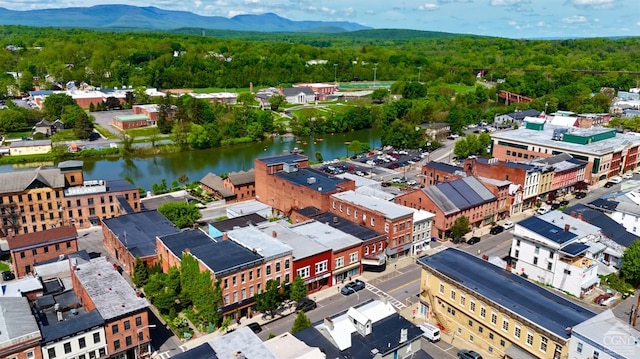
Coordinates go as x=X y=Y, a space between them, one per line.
x=225 y=236
x=403 y=335
x=274 y=234
x=580 y=217
x=239 y=355
x=566 y=227
x=335 y=219
x=573 y=214
x=328 y=323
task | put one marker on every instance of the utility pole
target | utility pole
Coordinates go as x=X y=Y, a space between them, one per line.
x=335 y=73
x=375 y=69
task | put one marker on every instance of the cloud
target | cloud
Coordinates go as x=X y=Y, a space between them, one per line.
x=249 y=2
x=327 y=10
x=638 y=23
x=596 y=4
x=232 y=13
x=575 y=19
x=349 y=12
x=541 y=24
x=450 y=1
x=428 y=7
x=508 y=2
x=370 y=12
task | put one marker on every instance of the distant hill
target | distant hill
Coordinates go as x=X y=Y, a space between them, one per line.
x=125 y=16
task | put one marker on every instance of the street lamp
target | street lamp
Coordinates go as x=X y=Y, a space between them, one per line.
x=138 y=335
x=356 y=293
x=419 y=70
x=335 y=73
x=375 y=70
x=347 y=143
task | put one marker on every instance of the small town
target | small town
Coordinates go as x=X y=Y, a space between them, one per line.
x=366 y=207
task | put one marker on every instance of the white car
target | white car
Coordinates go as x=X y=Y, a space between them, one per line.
x=507 y=225
x=627 y=176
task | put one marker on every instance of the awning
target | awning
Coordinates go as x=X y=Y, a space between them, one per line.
x=315 y=279
x=374 y=260
x=590 y=282
x=402 y=248
x=346 y=268
x=515 y=352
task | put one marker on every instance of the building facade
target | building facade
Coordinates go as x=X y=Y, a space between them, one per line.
x=31 y=248
x=20 y=338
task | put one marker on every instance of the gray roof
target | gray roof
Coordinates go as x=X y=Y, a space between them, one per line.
x=138 y=231
x=228 y=224
x=458 y=195
x=357 y=230
x=224 y=257
x=202 y=351
x=241 y=340
x=15 y=144
x=109 y=291
x=292 y=91
x=327 y=235
x=445 y=167
x=70 y=164
x=215 y=182
x=52 y=329
x=16 y=321
x=322 y=182
x=302 y=246
x=389 y=209
x=242 y=177
x=602 y=328
x=547 y=229
x=20 y=180
x=266 y=245
x=509 y=291
x=281 y=159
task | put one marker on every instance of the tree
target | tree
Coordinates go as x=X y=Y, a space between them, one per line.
x=276 y=101
x=460 y=227
x=269 y=300
x=140 y=273
x=461 y=148
x=301 y=323
x=402 y=135
x=414 y=90
x=84 y=126
x=355 y=146
x=581 y=186
x=246 y=98
x=54 y=105
x=379 y=95
x=631 y=263
x=112 y=103
x=25 y=83
x=127 y=144
x=183 y=179
x=298 y=289
x=319 y=157
x=181 y=214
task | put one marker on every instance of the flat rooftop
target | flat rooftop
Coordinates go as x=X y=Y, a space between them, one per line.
x=389 y=209
x=313 y=179
x=548 y=230
x=302 y=246
x=241 y=340
x=109 y=291
x=509 y=291
x=242 y=221
x=327 y=235
x=225 y=256
x=138 y=231
x=267 y=246
x=16 y=322
x=359 y=231
x=281 y=159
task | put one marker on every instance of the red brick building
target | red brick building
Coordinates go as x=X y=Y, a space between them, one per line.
x=31 y=248
x=287 y=182
x=21 y=336
x=437 y=172
x=242 y=184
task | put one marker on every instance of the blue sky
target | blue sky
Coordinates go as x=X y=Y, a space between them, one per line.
x=505 y=18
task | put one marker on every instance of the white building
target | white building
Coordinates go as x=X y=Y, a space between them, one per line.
x=604 y=337
x=551 y=248
x=422 y=221
x=75 y=337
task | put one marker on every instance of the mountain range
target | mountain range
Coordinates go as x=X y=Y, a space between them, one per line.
x=125 y=16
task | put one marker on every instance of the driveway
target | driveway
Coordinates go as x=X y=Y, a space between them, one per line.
x=105 y=118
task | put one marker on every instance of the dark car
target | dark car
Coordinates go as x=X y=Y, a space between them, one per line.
x=7 y=275
x=609 y=184
x=564 y=203
x=555 y=205
x=468 y=354
x=352 y=287
x=255 y=327
x=305 y=305
x=580 y=195
x=496 y=229
x=473 y=240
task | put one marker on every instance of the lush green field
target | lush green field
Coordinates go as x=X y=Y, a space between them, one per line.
x=104 y=132
x=144 y=132
x=14 y=135
x=64 y=135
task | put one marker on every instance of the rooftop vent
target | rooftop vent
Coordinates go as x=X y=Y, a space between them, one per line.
x=403 y=335
x=311 y=180
x=290 y=167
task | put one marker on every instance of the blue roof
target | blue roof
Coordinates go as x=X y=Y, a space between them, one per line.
x=512 y=292
x=275 y=160
x=119 y=186
x=445 y=167
x=202 y=351
x=138 y=231
x=54 y=330
x=354 y=229
x=609 y=227
x=547 y=230
x=574 y=249
x=323 y=182
x=178 y=242
x=225 y=256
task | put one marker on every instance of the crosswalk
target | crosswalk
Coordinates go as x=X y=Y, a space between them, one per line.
x=375 y=290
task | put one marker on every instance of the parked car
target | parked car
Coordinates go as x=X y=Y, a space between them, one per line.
x=7 y=275
x=580 y=195
x=468 y=354
x=544 y=209
x=473 y=240
x=615 y=179
x=627 y=175
x=305 y=305
x=352 y=287
x=554 y=205
x=564 y=203
x=496 y=229
x=255 y=327
x=609 y=184
x=507 y=225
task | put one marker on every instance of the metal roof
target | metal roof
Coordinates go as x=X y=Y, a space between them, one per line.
x=302 y=246
x=265 y=244
x=242 y=177
x=281 y=159
x=16 y=322
x=346 y=226
x=445 y=167
x=327 y=235
x=389 y=209
x=18 y=181
x=574 y=249
x=313 y=179
x=138 y=231
x=547 y=230
x=609 y=227
x=513 y=293
x=458 y=195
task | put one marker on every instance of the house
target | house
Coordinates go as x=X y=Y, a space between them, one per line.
x=23 y=148
x=30 y=248
x=451 y=200
x=19 y=333
x=214 y=185
x=370 y=329
x=134 y=236
x=287 y=346
x=567 y=171
x=242 y=184
x=550 y=249
x=436 y=130
x=501 y=313
x=248 y=207
x=241 y=343
x=48 y=128
x=623 y=209
x=434 y=172
x=515 y=117
x=126 y=122
x=604 y=336
x=422 y=224
x=100 y=287
x=299 y=95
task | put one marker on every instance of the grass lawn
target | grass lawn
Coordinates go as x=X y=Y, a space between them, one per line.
x=144 y=132
x=104 y=132
x=222 y=89
x=14 y=135
x=64 y=135
x=4 y=267
x=458 y=88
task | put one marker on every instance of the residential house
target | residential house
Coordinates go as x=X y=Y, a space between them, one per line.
x=134 y=236
x=287 y=182
x=99 y=286
x=515 y=117
x=623 y=209
x=240 y=270
x=550 y=249
x=438 y=131
x=605 y=337
x=23 y=148
x=48 y=128
x=241 y=343
x=30 y=248
x=370 y=329
x=242 y=184
x=451 y=200
x=214 y=185
x=435 y=172
x=392 y=219
x=496 y=311
x=19 y=333
x=298 y=95
x=422 y=224
x=287 y=346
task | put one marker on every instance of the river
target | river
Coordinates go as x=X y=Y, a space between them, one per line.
x=196 y=164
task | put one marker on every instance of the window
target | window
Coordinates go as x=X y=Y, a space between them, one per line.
x=470 y=323
x=480 y=329
x=543 y=344
x=494 y=318
x=21 y=254
x=453 y=294
x=82 y=342
x=234 y=280
x=441 y=288
x=226 y=283
x=116 y=344
x=579 y=347
x=277 y=267
x=516 y=253
x=550 y=255
x=114 y=329
x=52 y=352
x=483 y=312
x=303 y=272
x=242 y=276
x=353 y=257
x=138 y=321
x=286 y=264
x=596 y=354
x=102 y=351
x=472 y=306
x=127 y=325
x=517 y=332
x=321 y=267
x=235 y=297
x=67 y=348
x=529 y=339
x=491 y=336
x=502 y=343
x=30 y=354
x=535 y=261
x=505 y=325
x=96 y=338
x=339 y=262
x=46 y=249
x=244 y=294
x=34 y=251
x=549 y=266
x=258 y=272
x=537 y=250
x=386 y=228
x=128 y=340
x=462 y=300
x=268 y=269
x=568 y=272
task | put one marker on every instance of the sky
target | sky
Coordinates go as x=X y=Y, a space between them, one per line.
x=503 y=18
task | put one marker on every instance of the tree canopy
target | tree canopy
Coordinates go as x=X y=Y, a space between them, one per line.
x=631 y=263
x=181 y=214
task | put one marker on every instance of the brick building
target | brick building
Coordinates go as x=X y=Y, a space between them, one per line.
x=437 y=172
x=450 y=200
x=19 y=333
x=242 y=184
x=99 y=286
x=287 y=182
x=126 y=122
x=31 y=248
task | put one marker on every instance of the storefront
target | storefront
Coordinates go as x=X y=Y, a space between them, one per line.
x=345 y=273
